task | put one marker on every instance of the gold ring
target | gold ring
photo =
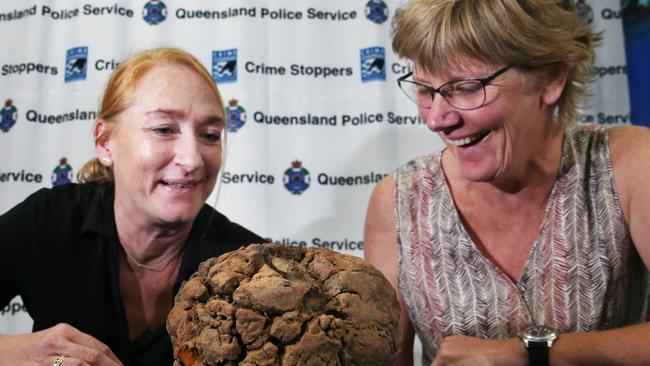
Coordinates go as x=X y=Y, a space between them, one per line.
x=59 y=360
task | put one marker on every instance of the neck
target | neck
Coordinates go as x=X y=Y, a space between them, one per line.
x=149 y=246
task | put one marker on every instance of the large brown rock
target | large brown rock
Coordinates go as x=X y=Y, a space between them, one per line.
x=280 y=305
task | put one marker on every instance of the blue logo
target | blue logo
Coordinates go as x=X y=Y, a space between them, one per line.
x=8 y=116
x=376 y=11
x=62 y=174
x=76 y=62
x=224 y=66
x=585 y=12
x=154 y=12
x=235 y=116
x=296 y=179
x=373 y=64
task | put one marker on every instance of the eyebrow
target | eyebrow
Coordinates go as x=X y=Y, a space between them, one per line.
x=173 y=113
x=420 y=81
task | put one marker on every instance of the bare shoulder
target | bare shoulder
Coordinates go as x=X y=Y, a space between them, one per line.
x=628 y=143
x=630 y=150
x=383 y=193
x=382 y=205
x=380 y=233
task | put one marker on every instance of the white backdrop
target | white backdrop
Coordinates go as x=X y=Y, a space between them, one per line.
x=314 y=82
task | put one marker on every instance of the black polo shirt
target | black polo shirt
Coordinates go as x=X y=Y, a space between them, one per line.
x=59 y=251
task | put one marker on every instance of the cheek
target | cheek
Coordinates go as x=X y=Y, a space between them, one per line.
x=212 y=159
x=424 y=112
x=424 y=115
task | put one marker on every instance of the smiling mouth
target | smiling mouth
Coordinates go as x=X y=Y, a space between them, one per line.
x=179 y=185
x=469 y=140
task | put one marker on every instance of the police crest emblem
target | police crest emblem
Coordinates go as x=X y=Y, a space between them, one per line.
x=154 y=12
x=235 y=116
x=373 y=64
x=8 y=116
x=224 y=66
x=296 y=179
x=76 y=64
x=585 y=12
x=62 y=174
x=377 y=11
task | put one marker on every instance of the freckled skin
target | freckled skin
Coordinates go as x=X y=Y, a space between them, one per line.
x=167 y=135
x=512 y=115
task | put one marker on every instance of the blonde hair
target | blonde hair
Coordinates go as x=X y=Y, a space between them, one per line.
x=119 y=92
x=527 y=34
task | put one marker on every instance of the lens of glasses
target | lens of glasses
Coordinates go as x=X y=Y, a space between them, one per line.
x=460 y=94
x=419 y=94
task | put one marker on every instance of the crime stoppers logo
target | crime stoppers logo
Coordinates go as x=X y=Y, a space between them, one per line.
x=373 y=64
x=62 y=174
x=235 y=116
x=224 y=66
x=8 y=116
x=154 y=12
x=376 y=11
x=585 y=12
x=76 y=62
x=296 y=179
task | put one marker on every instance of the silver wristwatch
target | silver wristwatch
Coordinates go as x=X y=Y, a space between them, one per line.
x=538 y=340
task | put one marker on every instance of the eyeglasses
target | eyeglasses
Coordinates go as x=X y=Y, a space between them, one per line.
x=462 y=94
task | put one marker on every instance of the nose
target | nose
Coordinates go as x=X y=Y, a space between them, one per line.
x=188 y=153
x=441 y=115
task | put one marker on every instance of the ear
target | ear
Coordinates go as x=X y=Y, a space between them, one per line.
x=556 y=77
x=103 y=148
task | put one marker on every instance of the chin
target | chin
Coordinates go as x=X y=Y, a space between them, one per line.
x=174 y=218
x=477 y=174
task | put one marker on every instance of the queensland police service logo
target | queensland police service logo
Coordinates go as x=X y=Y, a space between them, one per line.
x=296 y=178
x=585 y=12
x=8 y=116
x=76 y=62
x=62 y=174
x=373 y=64
x=235 y=116
x=154 y=12
x=376 y=11
x=224 y=66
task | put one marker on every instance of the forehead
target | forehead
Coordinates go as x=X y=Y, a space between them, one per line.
x=161 y=78
x=175 y=90
x=463 y=68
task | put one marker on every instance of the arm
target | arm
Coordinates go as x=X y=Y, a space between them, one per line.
x=18 y=230
x=45 y=346
x=380 y=249
x=630 y=152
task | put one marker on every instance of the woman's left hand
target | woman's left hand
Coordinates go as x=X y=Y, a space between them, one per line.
x=466 y=351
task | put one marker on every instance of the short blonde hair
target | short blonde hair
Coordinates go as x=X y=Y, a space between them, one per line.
x=119 y=92
x=527 y=34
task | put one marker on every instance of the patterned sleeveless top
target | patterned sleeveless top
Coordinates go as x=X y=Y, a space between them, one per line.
x=582 y=273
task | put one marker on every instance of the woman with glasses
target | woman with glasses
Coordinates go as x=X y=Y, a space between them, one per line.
x=525 y=241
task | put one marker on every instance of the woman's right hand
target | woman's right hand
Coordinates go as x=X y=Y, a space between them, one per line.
x=45 y=347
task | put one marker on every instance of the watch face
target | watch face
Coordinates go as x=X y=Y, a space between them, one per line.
x=539 y=333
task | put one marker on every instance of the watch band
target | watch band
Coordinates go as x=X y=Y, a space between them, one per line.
x=538 y=353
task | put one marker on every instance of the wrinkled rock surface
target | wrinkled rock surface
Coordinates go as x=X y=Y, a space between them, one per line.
x=272 y=304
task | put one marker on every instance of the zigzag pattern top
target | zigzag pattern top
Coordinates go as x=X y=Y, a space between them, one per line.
x=582 y=273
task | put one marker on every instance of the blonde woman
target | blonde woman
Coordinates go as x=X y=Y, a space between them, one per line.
x=525 y=241
x=97 y=264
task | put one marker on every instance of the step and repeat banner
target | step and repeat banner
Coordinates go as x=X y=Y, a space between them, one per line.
x=315 y=115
